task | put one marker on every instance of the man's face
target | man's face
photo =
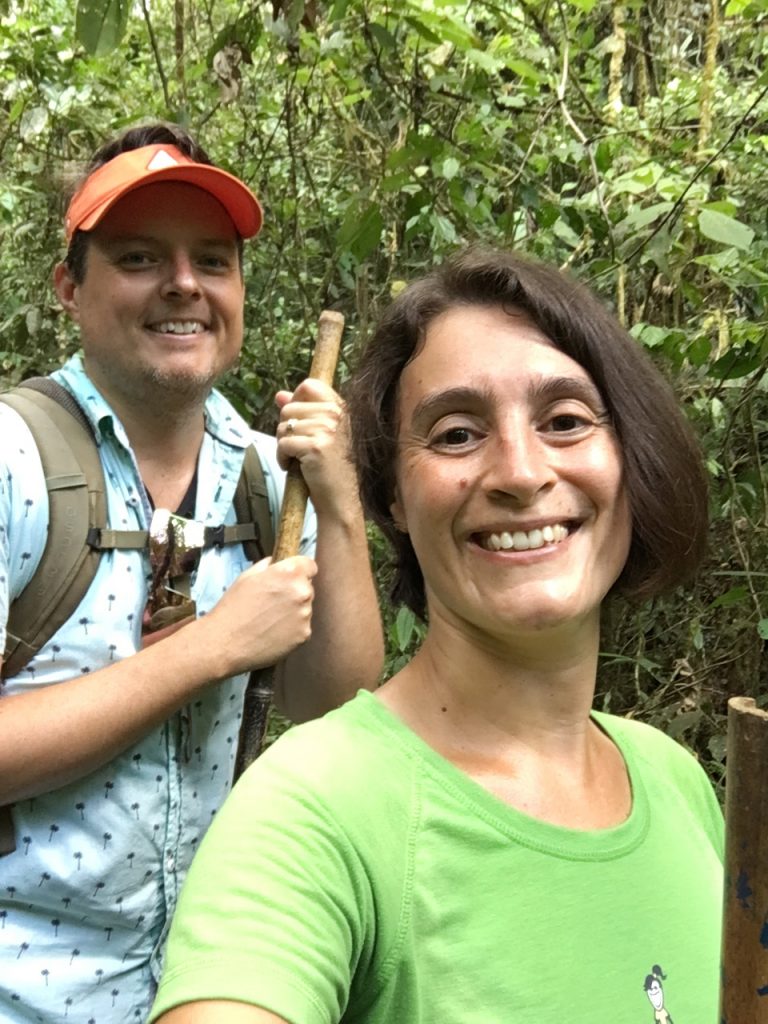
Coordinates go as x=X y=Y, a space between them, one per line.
x=160 y=308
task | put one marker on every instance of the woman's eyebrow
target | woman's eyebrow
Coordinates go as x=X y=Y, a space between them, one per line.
x=457 y=399
x=551 y=388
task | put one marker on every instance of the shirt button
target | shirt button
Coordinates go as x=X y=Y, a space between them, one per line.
x=170 y=864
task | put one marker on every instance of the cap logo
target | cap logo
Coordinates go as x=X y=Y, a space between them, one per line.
x=160 y=160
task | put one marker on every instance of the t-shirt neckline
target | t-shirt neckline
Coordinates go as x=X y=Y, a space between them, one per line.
x=555 y=840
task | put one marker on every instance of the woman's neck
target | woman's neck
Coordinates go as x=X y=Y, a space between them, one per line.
x=514 y=714
x=537 y=681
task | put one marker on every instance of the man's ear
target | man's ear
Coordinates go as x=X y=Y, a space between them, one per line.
x=67 y=290
x=397 y=513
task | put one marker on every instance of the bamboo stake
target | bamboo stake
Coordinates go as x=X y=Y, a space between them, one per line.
x=744 y=966
x=258 y=695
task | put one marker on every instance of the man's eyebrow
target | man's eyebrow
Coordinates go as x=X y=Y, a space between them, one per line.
x=121 y=239
x=221 y=240
x=131 y=239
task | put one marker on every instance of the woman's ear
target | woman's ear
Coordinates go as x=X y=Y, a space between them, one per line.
x=397 y=513
x=66 y=289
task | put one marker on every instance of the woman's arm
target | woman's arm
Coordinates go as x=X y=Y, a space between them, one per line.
x=219 y=1011
x=346 y=649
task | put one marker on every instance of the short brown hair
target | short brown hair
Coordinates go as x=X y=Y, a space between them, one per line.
x=663 y=471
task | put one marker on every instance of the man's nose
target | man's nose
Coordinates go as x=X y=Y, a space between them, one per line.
x=182 y=278
x=519 y=464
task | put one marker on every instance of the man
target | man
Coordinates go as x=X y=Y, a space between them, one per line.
x=117 y=769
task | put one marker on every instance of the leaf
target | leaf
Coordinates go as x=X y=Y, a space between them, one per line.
x=526 y=70
x=395 y=182
x=730 y=597
x=422 y=30
x=734 y=7
x=726 y=230
x=640 y=216
x=484 y=60
x=338 y=10
x=450 y=168
x=683 y=722
x=737 y=363
x=405 y=624
x=245 y=31
x=762 y=629
x=566 y=233
x=383 y=36
x=32 y=123
x=361 y=230
x=442 y=229
x=100 y=24
x=717 y=745
x=33 y=319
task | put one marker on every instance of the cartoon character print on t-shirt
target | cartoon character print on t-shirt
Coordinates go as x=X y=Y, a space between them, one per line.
x=655 y=993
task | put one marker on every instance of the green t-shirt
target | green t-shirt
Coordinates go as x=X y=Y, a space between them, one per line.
x=355 y=875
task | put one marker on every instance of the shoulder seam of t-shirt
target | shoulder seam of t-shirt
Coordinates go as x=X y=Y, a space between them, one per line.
x=353 y=708
x=390 y=960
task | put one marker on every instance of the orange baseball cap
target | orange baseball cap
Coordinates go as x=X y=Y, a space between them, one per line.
x=149 y=164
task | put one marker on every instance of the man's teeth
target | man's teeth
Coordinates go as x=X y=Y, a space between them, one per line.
x=520 y=541
x=178 y=327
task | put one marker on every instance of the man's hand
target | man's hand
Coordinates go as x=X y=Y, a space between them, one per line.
x=265 y=614
x=313 y=429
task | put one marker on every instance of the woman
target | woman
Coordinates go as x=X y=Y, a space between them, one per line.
x=472 y=843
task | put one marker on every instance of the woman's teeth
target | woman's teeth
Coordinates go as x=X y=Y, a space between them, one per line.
x=524 y=541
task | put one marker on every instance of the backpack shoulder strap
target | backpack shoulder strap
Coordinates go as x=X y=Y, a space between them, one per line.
x=252 y=506
x=75 y=482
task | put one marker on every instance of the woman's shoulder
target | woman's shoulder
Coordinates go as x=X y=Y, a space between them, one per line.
x=664 y=766
x=646 y=740
x=340 y=759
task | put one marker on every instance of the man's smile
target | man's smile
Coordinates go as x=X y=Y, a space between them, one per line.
x=177 y=327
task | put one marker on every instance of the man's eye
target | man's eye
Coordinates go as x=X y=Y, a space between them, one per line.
x=215 y=262
x=134 y=259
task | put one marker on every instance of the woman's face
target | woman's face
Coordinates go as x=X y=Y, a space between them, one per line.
x=509 y=477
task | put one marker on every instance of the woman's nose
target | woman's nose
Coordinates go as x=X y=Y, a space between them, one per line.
x=181 y=279
x=519 y=465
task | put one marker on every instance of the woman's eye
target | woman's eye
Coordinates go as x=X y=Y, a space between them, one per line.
x=571 y=418
x=454 y=437
x=565 y=422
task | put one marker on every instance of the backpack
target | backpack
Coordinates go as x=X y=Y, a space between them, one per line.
x=77 y=525
x=77 y=530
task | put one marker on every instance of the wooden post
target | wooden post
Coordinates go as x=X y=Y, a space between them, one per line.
x=744 y=966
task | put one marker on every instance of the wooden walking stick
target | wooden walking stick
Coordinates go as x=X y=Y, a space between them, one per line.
x=258 y=695
x=744 y=967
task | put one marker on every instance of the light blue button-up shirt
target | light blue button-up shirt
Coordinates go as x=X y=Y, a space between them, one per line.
x=87 y=897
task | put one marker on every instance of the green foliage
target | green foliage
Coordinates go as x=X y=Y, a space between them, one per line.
x=624 y=141
x=100 y=24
